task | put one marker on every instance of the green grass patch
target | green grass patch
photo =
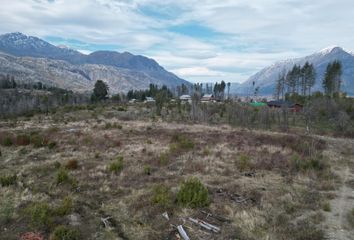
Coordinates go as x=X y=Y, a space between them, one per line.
x=8 y=180
x=65 y=233
x=117 y=165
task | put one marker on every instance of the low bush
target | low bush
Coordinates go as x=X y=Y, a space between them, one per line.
x=38 y=141
x=112 y=126
x=8 y=180
x=326 y=207
x=163 y=158
x=162 y=196
x=193 y=193
x=72 y=164
x=180 y=143
x=244 y=163
x=7 y=210
x=40 y=215
x=350 y=218
x=315 y=163
x=62 y=176
x=147 y=170
x=65 y=233
x=52 y=145
x=65 y=208
x=7 y=141
x=117 y=165
x=23 y=140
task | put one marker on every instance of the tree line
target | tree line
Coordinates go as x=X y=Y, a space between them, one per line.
x=301 y=79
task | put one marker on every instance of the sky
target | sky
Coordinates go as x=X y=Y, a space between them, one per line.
x=199 y=40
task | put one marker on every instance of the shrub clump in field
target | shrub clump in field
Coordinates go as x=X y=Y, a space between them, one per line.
x=350 y=218
x=117 y=165
x=63 y=176
x=65 y=233
x=147 y=170
x=193 y=193
x=181 y=143
x=244 y=163
x=38 y=141
x=315 y=163
x=65 y=208
x=23 y=140
x=162 y=196
x=7 y=141
x=8 y=180
x=40 y=214
x=72 y=164
x=7 y=210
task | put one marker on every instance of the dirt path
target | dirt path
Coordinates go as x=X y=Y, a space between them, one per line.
x=336 y=223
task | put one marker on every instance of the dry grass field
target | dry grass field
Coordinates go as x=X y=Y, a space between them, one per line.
x=106 y=174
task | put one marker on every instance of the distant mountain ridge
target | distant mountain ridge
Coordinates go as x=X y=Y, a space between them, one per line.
x=266 y=78
x=123 y=71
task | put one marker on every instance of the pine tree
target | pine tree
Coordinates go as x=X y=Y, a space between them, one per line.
x=280 y=86
x=332 y=80
x=100 y=91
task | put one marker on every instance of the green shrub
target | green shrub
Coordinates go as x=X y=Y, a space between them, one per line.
x=180 y=143
x=40 y=214
x=7 y=210
x=244 y=163
x=117 y=165
x=147 y=170
x=52 y=145
x=6 y=181
x=62 y=176
x=57 y=164
x=65 y=208
x=65 y=233
x=350 y=218
x=7 y=142
x=163 y=159
x=315 y=163
x=38 y=141
x=193 y=193
x=326 y=207
x=162 y=196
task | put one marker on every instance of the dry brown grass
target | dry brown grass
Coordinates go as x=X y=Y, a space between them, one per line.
x=249 y=175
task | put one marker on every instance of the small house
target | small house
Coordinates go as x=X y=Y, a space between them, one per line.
x=149 y=100
x=207 y=98
x=294 y=107
x=185 y=98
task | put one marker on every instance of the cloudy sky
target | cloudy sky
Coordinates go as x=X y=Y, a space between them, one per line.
x=199 y=40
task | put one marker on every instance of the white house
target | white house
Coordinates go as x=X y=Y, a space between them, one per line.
x=186 y=98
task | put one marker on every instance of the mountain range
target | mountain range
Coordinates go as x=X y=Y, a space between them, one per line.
x=266 y=78
x=31 y=59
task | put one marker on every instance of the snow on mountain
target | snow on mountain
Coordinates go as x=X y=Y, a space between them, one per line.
x=266 y=78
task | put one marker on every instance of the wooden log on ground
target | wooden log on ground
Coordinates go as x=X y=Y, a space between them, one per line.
x=182 y=233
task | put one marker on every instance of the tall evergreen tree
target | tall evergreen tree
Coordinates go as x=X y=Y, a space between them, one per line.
x=280 y=86
x=332 y=80
x=100 y=91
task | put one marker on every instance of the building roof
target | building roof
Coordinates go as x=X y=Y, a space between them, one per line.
x=186 y=97
x=258 y=104
x=280 y=103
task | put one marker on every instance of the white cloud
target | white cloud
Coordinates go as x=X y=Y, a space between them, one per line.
x=253 y=34
x=197 y=72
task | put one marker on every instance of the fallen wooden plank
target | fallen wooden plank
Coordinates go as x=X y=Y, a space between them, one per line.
x=205 y=225
x=182 y=232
